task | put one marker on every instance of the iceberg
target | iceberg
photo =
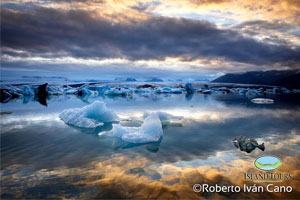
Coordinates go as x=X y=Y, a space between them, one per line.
x=54 y=90
x=296 y=91
x=206 y=91
x=150 y=131
x=262 y=101
x=177 y=90
x=100 y=89
x=5 y=96
x=163 y=116
x=118 y=92
x=12 y=89
x=155 y=80
x=84 y=91
x=163 y=90
x=89 y=116
x=71 y=91
x=143 y=90
x=169 y=90
x=27 y=91
x=251 y=92
x=189 y=88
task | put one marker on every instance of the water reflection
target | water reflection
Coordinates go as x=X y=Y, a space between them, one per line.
x=128 y=177
x=150 y=146
x=42 y=157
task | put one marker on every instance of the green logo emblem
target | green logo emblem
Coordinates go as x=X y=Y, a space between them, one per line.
x=267 y=163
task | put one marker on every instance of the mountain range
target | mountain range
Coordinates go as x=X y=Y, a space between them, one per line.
x=286 y=78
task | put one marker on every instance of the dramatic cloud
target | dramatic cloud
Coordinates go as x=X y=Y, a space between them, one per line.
x=56 y=33
x=210 y=36
x=274 y=32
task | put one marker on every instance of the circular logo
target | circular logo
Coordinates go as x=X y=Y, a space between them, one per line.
x=267 y=163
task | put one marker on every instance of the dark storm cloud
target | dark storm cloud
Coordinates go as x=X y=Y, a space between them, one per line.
x=57 y=33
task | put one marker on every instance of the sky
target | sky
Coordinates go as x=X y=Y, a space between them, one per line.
x=169 y=39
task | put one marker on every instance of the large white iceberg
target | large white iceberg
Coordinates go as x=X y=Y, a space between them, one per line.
x=150 y=131
x=89 y=116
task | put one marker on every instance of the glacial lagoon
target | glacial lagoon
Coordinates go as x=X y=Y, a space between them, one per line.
x=43 y=157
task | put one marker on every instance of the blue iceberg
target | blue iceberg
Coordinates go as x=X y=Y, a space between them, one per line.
x=150 y=131
x=89 y=116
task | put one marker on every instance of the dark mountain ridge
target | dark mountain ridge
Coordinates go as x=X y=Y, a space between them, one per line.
x=286 y=78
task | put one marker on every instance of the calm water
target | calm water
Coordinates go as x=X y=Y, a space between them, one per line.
x=42 y=157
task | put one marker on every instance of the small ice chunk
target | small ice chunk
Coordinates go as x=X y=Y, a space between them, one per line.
x=27 y=91
x=5 y=96
x=169 y=90
x=189 y=88
x=86 y=92
x=177 y=90
x=12 y=89
x=243 y=91
x=296 y=91
x=262 y=101
x=252 y=92
x=102 y=89
x=143 y=90
x=89 y=116
x=163 y=90
x=54 y=90
x=150 y=131
x=71 y=91
x=206 y=91
x=116 y=92
x=163 y=116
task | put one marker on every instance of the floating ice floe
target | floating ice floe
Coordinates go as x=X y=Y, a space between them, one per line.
x=143 y=90
x=189 y=88
x=206 y=91
x=262 y=101
x=55 y=90
x=117 y=92
x=169 y=90
x=243 y=91
x=85 y=91
x=296 y=91
x=163 y=116
x=100 y=89
x=27 y=91
x=12 y=89
x=224 y=89
x=89 y=116
x=5 y=96
x=177 y=90
x=70 y=91
x=9 y=92
x=150 y=131
x=251 y=92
